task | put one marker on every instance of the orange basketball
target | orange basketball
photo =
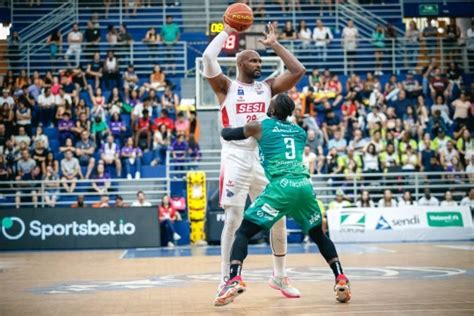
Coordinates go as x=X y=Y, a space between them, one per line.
x=239 y=16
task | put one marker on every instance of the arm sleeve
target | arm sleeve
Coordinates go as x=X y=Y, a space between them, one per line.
x=233 y=133
x=211 y=66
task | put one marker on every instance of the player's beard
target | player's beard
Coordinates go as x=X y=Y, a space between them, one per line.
x=256 y=74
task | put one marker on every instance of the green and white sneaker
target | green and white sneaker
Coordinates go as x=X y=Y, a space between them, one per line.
x=284 y=286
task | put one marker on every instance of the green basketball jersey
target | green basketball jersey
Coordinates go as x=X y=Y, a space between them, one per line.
x=281 y=149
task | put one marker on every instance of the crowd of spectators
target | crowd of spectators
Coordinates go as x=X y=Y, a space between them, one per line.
x=91 y=121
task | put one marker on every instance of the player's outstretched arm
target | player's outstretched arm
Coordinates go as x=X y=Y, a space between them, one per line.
x=296 y=70
x=212 y=70
x=251 y=129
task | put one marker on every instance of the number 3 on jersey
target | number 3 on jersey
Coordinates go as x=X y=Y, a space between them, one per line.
x=290 y=148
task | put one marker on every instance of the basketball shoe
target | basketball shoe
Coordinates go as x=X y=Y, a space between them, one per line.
x=283 y=285
x=231 y=290
x=342 y=289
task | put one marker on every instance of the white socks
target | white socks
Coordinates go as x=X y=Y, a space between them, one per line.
x=233 y=219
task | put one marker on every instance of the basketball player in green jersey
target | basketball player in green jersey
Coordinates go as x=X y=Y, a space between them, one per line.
x=289 y=193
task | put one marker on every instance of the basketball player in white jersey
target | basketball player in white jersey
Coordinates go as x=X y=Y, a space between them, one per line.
x=241 y=101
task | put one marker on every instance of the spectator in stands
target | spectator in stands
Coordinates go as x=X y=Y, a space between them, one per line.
x=465 y=145
x=409 y=159
x=194 y=151
x=23 y=118
x=451 y=40
x=349 y=40
x=194 y=126
x=112 y=36
x=406 y=200
x=441 y=106
x=441 y=140
x=29 y=187
x=167 y=215
x=412 y=44
x=22 y=137
x=119 y=202
x=98 y=102
x=110 y=154
x=5 y=174
x=82 y=124
x=99 y=130
x=131 y=157
x=55 y=43
x=461 y=108
x=468 y=200
x=85 y=149
x=125 y=41
x=170 y=31
x=94 y=70
x=339 y=143
x=92 y=39
x=51 y=162
x=161 y=143
x=340 y=202
x=107 y=4
x=71 y=171
x=182 y=124
x=170 y=100
x=470 y=169
x=52 y=187
x=371 y=160
x=448 y=199
x=103 y=203
x=115 y=102
x=389 y=159
x=14 y=52
x=322 y=37
x=101 y=180
x=387 y=200
x=155 y=104
x=412 y=87
x=447 y=154
x=39 y=136
x=111 y=71
x=428 y=199
x=309 y=159
x=331 y=163
x=165 y=120
x=80 y=203
x=179 y=150
x=288 y=32
x=130 y=81
x=141 y=200
x=143 y=129
x=304 y=34
x=39 y=154
x=74 y=40
x=365 y=200
x=65 y=128
x=117 y=128
x=439 y=85
x=6 y=98
x=152 y=40
x=157 y=79
x=331 y=124
x=378 y=40
x=430 y=32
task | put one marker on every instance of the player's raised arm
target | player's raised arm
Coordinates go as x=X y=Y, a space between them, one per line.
x=250 y=129
x=296 y=70
x=212 y=70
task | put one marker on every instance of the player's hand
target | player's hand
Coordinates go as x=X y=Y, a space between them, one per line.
x=270 y=37
x=228 y=29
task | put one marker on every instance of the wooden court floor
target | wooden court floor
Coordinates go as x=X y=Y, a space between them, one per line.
x=395 y=279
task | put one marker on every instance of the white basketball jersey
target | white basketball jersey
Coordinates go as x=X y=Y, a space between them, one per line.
x=244 y=103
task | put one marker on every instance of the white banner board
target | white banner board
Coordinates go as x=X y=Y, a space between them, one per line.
x=420 y=223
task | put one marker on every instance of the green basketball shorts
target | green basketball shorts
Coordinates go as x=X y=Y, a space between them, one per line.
x=291 y=197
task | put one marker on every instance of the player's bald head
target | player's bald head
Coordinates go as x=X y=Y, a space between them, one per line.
x=246 y=55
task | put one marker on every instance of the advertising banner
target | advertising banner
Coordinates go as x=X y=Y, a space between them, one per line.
x=84 y=228
x=421 y=223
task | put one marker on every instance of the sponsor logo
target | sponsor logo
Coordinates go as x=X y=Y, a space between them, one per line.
x=220 y=217
x=315 y=218
x=237 y=16
x=284 y=182
x=352 y=222
x=256 y=107
x=240 y=91
x=229 y=193
x=13 y=228
x=445 y=219
x=269 y=212
x=412 y=221
x=382 y=224
x=258 y=88
x=230 y=184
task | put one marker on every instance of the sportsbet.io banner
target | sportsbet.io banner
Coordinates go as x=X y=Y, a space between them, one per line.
x=85 y=228
x=419 y=223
